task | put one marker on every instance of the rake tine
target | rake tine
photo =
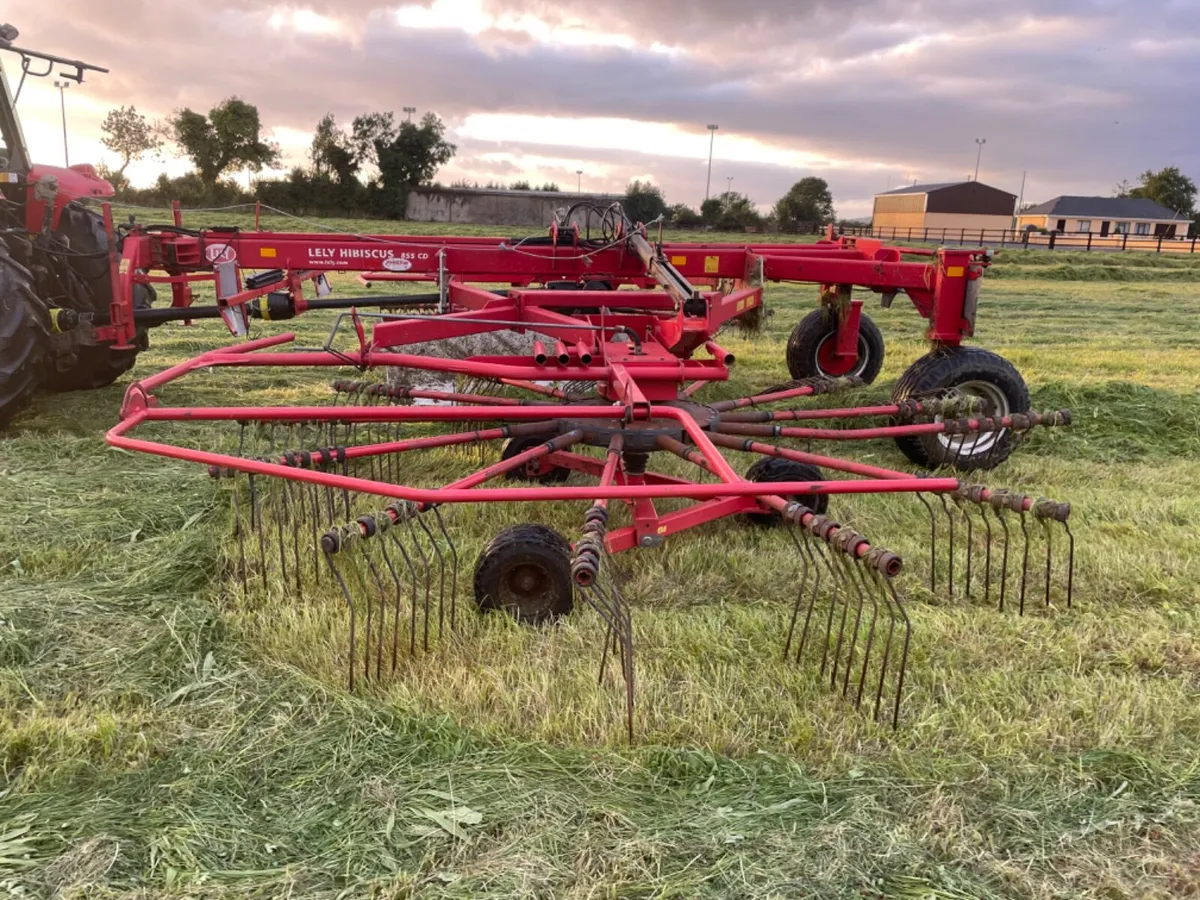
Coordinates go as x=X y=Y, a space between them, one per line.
x=787 y=645
x=1048 y=511
x=240 y=529
x=832 y=605
x=1049 y=557
x=425 y=567
x=1070 y=563
x=950 y=554
x=387 y=560
x=370 y=610
x=806 y=545
x=441 y=581
x=412 y=571
x=891 y=588
x=987 y=559
x=932 y=543
x=337 y=575
x=848 y=567
x=294 y=519
x=997 y=507
x=437 y=514
x=887 y=647
x=967 y=518
x=870 y=641
x=1024 y=563
x=314 y=504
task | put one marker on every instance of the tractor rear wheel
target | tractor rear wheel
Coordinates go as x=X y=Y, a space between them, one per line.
x=975 y=372
x=526 y=572
x=774 y=468
x=96 y=365
x=810 y=349
x=23 y=336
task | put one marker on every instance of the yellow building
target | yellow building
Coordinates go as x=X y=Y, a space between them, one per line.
x=1104 y=216
x=953 y=205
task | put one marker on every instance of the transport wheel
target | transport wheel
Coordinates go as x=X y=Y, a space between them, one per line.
x=96 y=365
x=773 y=468
x=538 y=470
x=969 y=370
x=526 y=572
x=23 y=336
x=810 y=349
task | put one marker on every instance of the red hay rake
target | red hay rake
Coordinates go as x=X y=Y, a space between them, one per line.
x=609 y=381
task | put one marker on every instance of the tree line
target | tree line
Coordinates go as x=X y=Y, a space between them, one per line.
x=371 y=167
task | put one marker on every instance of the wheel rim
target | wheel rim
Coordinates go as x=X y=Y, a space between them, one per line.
x=830 y=364
x=995 y=403
x=527 y=589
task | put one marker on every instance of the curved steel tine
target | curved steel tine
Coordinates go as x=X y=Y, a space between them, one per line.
x=896 y=599
x=425 y=567
x=849 y=566
x=412 y=571
x=1070 y=563
x=291 y=510
x=806 y=545
x=958 y=502
x=887 y=647
x=870 y=641
x=787 y=645
x=441 y=579
x=337 y=576
x=932 y=542
x=1024 y=562
x=1004 y=556
x=437 y=514
x=832 y=604
x=1049 y=556
x=387 y=560
x=366 y=554
x=950 y=541
x=987 y=558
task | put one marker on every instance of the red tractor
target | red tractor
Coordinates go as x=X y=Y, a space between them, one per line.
x=54 y=260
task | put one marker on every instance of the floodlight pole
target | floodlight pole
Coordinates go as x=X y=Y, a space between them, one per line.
x=979 y=142
x=712 y=135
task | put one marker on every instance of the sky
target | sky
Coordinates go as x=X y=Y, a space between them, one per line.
x=867 y=94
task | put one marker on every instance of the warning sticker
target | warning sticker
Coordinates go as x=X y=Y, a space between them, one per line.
x=711 y=264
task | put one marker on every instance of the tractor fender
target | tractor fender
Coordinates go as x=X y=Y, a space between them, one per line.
x=72 y=183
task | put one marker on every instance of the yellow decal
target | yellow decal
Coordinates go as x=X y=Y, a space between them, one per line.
x=955 y=271
x=741 y=304
x=267 y=252
x=679 y=260
x=711 y=264
x=123 y=269
x=662 y=529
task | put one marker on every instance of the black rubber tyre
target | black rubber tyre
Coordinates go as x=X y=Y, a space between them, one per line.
x=526 y=572
x=23 y=336
x=96 y=365
x=972 y=370
x=773 y=468
x=537 y=471
x=809 y=349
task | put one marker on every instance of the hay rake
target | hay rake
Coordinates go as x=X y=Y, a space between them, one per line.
x=334 y=492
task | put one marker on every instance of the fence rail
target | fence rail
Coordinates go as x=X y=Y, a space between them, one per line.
x=983 y=237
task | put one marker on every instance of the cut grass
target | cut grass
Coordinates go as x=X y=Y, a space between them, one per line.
x=162 y=736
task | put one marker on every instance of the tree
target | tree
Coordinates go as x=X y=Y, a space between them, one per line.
x=229 y=137
x=410 y=158
x=1167 y=187
x=683 y=216
x=807 y=202
x=644 y=202
x=127 y=133
x=521 y=185
x=730 y=211
x=367 y=132
x=331 y=153
x=551 y=186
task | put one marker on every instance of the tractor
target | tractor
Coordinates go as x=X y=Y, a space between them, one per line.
x=55 y=274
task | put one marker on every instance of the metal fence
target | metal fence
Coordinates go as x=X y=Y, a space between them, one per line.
x=983 y=237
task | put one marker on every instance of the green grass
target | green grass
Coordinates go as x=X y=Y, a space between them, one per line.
x=162 y=735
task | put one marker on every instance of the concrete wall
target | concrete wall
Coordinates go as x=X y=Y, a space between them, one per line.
x=489 y=207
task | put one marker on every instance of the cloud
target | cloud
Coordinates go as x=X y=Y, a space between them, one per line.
x=862 y=92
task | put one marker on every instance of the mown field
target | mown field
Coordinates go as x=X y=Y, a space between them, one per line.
x=161 y=734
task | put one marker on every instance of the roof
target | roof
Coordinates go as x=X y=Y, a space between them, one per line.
x=1104 y=208
x=922 y=188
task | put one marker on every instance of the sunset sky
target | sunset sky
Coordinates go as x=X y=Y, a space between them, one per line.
x=864 y=93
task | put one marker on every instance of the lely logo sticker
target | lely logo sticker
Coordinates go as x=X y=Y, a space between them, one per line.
x=220 y=253
x=397 y=264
